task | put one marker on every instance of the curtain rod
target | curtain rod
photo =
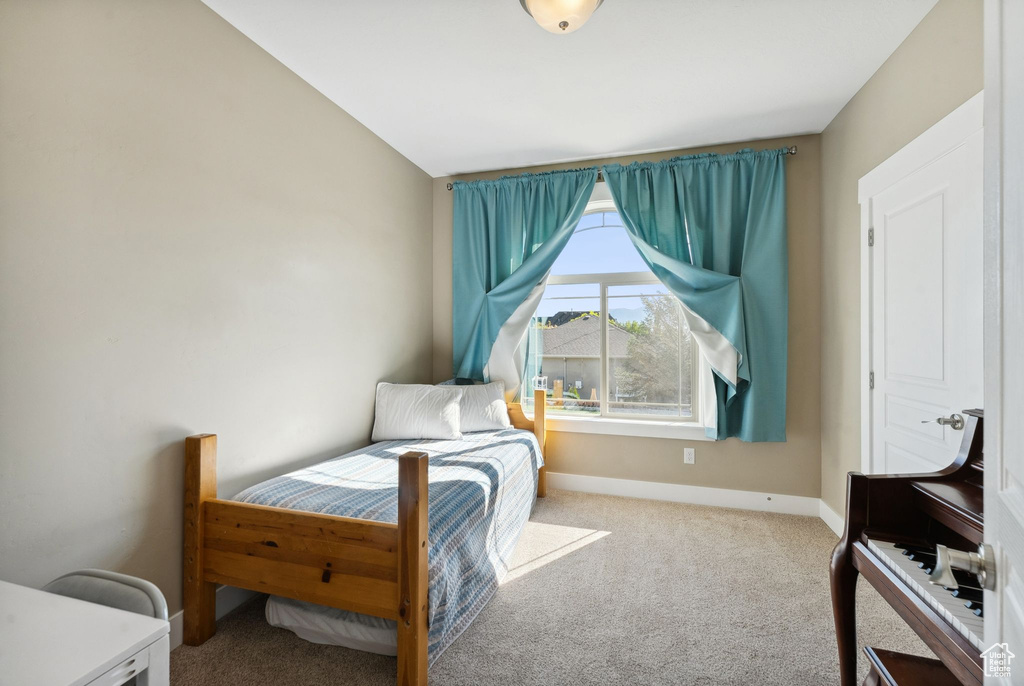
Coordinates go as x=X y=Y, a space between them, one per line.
x=791 y=150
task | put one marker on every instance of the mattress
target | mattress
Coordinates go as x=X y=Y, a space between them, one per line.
x=331 y=626
x=482 y=488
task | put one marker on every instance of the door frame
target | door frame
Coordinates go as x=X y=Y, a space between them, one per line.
x=942 y=138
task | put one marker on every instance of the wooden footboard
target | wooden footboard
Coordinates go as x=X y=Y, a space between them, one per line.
x=364 y=566
x=373 y=568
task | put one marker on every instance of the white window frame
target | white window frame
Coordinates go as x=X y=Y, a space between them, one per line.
x=618 y=424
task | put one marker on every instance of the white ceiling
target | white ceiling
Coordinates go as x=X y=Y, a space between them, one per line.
x=469 y=85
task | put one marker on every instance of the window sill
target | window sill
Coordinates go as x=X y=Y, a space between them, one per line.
x=689 y=431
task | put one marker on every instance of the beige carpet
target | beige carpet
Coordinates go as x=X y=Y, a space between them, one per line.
x=608 y=590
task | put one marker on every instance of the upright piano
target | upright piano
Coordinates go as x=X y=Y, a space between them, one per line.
x=894 y=523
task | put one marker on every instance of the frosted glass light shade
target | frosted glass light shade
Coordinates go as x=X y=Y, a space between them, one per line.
x=560 y=16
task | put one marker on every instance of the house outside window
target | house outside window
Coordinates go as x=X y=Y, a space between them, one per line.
x=610 y=338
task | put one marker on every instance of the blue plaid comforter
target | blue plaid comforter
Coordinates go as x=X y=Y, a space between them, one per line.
x=482 y=489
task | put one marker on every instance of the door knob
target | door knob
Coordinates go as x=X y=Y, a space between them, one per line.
x=981 y=564
x=954 y=421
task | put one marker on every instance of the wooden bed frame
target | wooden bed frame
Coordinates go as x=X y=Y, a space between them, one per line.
x=373 y=568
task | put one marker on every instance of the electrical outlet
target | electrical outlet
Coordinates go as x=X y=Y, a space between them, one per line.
x=688 y=455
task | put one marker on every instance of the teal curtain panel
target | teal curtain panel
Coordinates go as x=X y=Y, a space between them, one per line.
x=713 y=229
x=506 y=234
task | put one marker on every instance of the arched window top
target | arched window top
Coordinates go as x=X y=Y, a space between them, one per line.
x=600 y=245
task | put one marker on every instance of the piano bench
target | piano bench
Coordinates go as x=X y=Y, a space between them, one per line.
x=899 y=669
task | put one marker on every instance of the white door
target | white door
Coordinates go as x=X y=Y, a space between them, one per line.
x=1004 y=330
x=926 y=305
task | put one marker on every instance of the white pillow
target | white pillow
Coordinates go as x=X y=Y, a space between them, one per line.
x=412 y=411
x=483 y=407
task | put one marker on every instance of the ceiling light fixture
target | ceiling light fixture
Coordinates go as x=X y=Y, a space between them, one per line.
x=560 y=16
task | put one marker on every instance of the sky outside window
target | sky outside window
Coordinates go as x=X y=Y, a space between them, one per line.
x=599 y=245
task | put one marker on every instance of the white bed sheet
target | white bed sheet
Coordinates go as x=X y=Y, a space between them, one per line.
x=321 y=624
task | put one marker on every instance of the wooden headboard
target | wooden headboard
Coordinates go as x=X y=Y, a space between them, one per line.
x=536 y=425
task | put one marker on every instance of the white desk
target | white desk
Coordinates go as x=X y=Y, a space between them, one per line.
x=56 y=641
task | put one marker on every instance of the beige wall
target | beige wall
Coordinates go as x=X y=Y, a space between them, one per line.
x=791 y=468
x=191 y=239
x=936 y=69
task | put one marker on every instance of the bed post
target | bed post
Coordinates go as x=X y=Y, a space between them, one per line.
x=540 y=400
x=200 y=486
x=412 y=569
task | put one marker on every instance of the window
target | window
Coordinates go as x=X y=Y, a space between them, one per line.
x=608 y=336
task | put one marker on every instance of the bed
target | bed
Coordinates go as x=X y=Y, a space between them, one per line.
x=347 y=534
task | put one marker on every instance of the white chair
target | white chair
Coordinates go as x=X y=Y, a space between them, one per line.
x=113 y=590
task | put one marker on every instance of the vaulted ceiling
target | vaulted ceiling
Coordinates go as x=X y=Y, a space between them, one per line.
x=469 y=85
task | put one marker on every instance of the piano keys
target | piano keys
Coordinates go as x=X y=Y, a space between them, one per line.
x=893 y=523
x=953 y=609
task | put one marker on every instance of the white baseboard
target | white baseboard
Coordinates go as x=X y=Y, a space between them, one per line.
x=693 y=495
x=228 y=598
x=831 y=517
